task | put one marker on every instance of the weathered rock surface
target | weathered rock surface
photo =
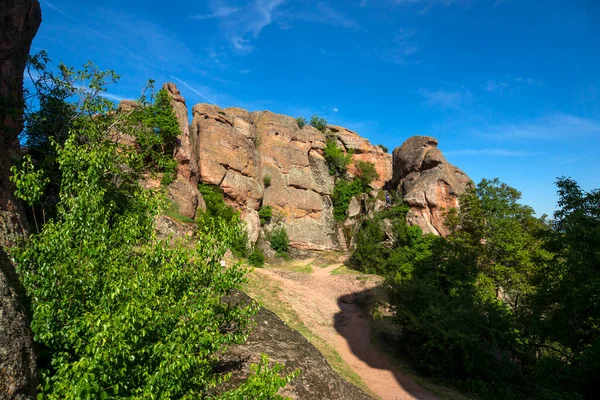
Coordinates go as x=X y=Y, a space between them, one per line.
x=427 y=182
x=365 y=151
x=237 y=150
x=19 y=21
x=317 y=381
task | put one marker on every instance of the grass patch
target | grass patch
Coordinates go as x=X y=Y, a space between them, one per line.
x=265 y=291
x=172 y=211
x=344 y=270
x=296 y=267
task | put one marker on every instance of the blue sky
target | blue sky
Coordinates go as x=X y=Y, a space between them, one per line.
x=510 y=88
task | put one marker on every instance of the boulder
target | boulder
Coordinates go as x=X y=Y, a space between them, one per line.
x=427 y=182
x=19 y=21
x=271 y=336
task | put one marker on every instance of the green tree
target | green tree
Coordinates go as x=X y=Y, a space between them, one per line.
x=366 y=174
x=318 y=123
x=301 y=121
x=218 y=213
x=337 y=160
x=116 y=312
x=343 y=191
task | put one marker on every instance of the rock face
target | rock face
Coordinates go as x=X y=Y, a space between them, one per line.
x=270 y=335
x=239 y=151
x=365 y=151
x=19 y=21
x=427 y=182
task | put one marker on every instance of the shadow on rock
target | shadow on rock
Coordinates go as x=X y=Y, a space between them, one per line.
x=270 y=335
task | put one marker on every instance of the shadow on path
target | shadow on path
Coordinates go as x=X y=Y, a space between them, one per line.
x=353 y=323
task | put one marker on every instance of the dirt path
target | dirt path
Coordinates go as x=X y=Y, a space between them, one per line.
x=326 y=305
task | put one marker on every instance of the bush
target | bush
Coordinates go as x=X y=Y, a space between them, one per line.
x=256 y=258
x=343 y=191
x=385 y=149
x=318 y=123
x=301 y=122
x=280 y=241
x=336 y=159
x=366 y=173
x=265 y=214
x=267 y=181
x=218 y=213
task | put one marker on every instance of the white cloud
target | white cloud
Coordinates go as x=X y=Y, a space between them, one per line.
x=446 y=99
x=398 y=49
x=495 y=87
x=529 y=81
x=553 y=126
x=219 y=12
x=335 y=110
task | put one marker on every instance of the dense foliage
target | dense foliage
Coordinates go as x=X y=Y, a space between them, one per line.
x=115 y=312
x=267 y=181
x=337 y=160
x=505 y=305
x=218 y=213
x=345 y=189
x=280 y=241
x=64 y=102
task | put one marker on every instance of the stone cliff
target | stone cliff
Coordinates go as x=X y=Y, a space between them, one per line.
x=240 y=151
x=19 y=21
x=265 y=159
x=429 y=184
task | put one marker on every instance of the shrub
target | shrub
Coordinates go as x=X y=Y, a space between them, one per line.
x=385 y=149
x=318 y=123
x=265 y=213
x=280 y=241
x=343 y=192
x=218 y=213
x=256 y=258
x=301 y=121
x=336 y=159
x=366 y=173
x=267 y=181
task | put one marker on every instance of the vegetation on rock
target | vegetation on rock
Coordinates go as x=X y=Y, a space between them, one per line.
x=301 y=121
x=337 y=160
x=256 y=258
x=218 y=213
x=318 y=123
x=265 y=213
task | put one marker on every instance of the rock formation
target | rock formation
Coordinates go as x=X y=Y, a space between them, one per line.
x=427 y=182
x=19 y=21
x=237 y=150
x=271 y=336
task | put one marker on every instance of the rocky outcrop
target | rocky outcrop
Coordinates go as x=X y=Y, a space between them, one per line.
x=427 y=182
x=363 y=150
x=240 y=151
x=271 y=336
x=19 y=21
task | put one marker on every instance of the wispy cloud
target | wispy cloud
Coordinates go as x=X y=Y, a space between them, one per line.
x=529 y=81
x=491 y=152
x=400 y=47
x=328 y=15
x=184 y=83
x=495 y=87
x=554 y=126
x=446 y=99
x=219 y=12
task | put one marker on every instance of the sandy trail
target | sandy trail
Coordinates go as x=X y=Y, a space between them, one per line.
x=325 y=304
